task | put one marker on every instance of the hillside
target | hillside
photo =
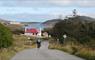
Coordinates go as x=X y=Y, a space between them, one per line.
x=82 y=19
x=86 y=18
x=4 y=21
x=51 y=23
x=27 y=23
x=80 y=32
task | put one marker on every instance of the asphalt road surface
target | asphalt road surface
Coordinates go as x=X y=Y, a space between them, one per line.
x=44 y=54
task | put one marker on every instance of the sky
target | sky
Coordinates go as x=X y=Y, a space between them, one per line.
x=42 y=10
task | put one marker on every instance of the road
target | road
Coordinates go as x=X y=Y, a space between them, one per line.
x=44 y=54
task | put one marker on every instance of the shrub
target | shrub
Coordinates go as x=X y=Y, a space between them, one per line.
x=5 y=37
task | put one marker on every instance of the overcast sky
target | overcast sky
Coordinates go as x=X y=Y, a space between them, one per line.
x=42 y=10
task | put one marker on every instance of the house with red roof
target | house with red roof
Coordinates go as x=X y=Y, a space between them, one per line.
x=30 y=31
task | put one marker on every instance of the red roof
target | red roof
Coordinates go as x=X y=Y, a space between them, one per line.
x=31 y=30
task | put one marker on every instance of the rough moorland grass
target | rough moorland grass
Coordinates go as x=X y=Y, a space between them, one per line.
x=20 y=43
x=6 y=54
x=86 y=53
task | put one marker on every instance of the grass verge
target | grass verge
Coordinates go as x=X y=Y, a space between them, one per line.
x=84 y=52
x=20 y=43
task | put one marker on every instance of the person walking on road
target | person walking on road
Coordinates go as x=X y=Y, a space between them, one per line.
x=38 y=43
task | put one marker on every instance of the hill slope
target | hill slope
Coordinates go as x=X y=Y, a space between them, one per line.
x=51 y=23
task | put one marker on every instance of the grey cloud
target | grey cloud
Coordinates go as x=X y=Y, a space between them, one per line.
x=47 y=3
x=25 y=3
x=76 y=3
x=86 y=3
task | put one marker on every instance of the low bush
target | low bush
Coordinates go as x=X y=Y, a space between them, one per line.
x=5 y=37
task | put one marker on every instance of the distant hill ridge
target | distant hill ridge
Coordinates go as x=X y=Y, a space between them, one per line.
x=2 y=20
x=85 y=18
x=52 y=22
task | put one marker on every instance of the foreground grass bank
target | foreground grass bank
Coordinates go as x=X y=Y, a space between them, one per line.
x=78 y=50
x=20 y=42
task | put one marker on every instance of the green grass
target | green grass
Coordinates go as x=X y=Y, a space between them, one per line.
x=20 y=43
